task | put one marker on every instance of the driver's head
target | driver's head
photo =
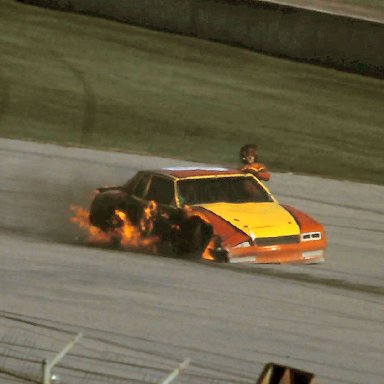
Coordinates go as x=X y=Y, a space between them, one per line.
x=248 y=154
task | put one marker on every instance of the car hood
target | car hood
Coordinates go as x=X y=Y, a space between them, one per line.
x=257 y=220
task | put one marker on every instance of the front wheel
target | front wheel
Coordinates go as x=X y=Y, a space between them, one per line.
x=193 y=237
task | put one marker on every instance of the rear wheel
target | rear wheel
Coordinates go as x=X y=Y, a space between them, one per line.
x=102 y=212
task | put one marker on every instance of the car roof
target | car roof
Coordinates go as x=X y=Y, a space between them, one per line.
x=196 y=171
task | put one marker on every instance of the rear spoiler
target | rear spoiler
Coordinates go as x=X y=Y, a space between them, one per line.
x=104 y=189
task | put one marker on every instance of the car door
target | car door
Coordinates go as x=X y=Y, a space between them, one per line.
x=160 y=198
x=136 y=190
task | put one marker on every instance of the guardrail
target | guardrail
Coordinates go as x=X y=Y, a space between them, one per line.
x=287 y=31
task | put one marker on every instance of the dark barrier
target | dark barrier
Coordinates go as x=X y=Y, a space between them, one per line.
x=305 y=35
x=281 y=374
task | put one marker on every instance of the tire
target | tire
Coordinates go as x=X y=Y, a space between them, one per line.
x=193 y=237
x=102 y=211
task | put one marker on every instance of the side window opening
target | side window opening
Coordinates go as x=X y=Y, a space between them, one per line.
x=161 y=190
x=131 y=183
x=141 y=186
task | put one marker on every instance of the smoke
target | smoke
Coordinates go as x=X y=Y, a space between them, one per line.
x=40 y=182
x=38 y=189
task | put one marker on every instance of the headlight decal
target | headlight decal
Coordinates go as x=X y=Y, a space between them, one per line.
x=310 y=236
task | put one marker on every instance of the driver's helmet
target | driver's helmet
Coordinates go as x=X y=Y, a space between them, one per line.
x=248 y=154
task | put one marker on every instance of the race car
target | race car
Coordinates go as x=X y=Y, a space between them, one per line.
x=219 y=214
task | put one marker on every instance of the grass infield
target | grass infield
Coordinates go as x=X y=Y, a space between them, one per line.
x=78 y=80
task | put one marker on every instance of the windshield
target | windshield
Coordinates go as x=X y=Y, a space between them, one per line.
x=221 y=189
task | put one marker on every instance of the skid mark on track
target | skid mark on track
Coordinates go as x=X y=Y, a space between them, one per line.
x=89 y=102
x=299 y=277
x=304 y=278
x=331 y=204
x=355 y=228
x=4 y=95
x=38 y=154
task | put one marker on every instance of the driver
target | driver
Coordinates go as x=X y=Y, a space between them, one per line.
x=248 y=157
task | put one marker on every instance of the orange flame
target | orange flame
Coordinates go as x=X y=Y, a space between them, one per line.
x=192 y=212
x=206 y=254
x=147 y=220
x=132 y=237
x=94 y=234
x=128 y=235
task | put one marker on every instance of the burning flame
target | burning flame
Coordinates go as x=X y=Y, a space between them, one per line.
x=129 y=236
x=206 y=255
x=132 y=237
x=147 y=220
x=194 y=212
x=94 y=234
x=126 y=234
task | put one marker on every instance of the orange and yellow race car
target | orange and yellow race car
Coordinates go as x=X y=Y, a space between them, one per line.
x=217 y=213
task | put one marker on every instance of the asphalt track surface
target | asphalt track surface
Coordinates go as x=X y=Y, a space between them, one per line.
x=141 y=315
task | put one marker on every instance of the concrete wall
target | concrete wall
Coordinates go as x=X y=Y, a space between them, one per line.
x=300 y=34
